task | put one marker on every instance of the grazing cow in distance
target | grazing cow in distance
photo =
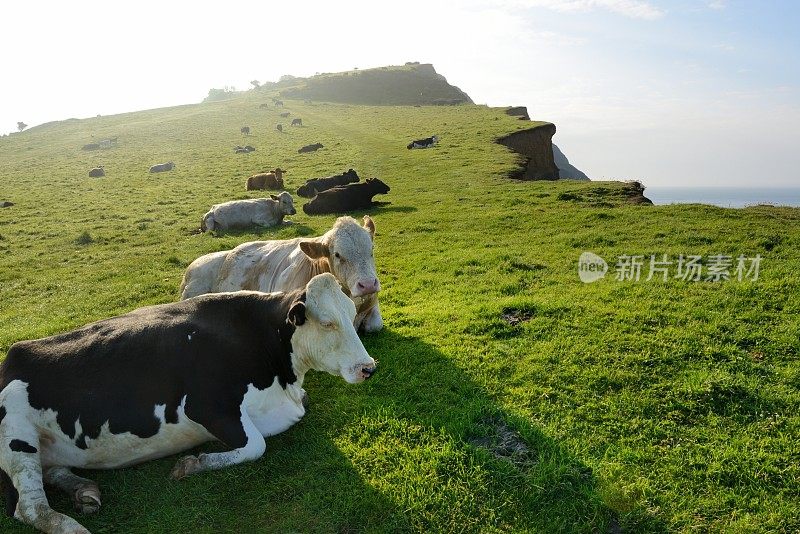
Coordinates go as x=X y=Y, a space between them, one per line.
x=164 y=379
x=285 y=114
x=162 y=167
x=279 y=103
x=310 y=148
x=279 y=128
x=297 y=122
x=97 y=172
x=423 y=143
x=266 y=180
x=317 y=185
x=265 y=212
x=346 y=250
x=346 y=198
x=245 y=130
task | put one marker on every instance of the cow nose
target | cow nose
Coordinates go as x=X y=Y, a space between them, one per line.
x=368 y=371
x=369 y=287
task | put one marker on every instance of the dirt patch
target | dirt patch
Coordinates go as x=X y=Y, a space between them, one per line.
x=503 y=442
x=514 y=316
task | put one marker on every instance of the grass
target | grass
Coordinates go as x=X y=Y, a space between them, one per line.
x=641 y=407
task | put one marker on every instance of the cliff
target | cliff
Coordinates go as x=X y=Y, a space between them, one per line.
x=535 y=146
x=403 y=85
x=565 y=169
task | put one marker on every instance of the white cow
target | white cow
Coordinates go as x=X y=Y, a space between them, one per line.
x=282 y=265
x=264 y=212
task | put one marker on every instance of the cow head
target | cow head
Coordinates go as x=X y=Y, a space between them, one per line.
x=324 y=338
x=378 y=186
x=285 y=203
x=348 y=249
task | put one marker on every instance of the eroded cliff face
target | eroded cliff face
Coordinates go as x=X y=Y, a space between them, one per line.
x=535 y=146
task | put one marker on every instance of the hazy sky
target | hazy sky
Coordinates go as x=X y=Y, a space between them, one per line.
x=685 y=92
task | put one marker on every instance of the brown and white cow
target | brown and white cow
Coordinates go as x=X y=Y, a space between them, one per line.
x=161 y=380
x=346 y=250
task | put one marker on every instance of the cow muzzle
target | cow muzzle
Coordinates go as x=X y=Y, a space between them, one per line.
x=368 y=371
x=366 y=287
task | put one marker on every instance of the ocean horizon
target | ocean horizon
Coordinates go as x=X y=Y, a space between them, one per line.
x=725 y=197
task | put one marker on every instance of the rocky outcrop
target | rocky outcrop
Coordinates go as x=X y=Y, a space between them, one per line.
x=635 y=193
x=535 y=146
x=565 y=169
x=519 y=111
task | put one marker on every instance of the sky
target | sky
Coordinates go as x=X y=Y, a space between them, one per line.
x=682 y=92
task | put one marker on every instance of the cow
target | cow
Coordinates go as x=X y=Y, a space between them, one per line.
x=264 y=105
x=423 y=143
x=164 y=379
x=297 y=122
x=279 y=128
x=346 y=198
x=6 y=204
x=162 y=167
x=97 y=172
x=266 y=180
x=244 y=149
x=264 y=212
x=285 y=114
x=91 y=146
x=310 y=148
x=245 y=130
x=278 y=103
x=317 y=185
x=283 y=265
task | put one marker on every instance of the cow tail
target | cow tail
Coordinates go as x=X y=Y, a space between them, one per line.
x=9 y=492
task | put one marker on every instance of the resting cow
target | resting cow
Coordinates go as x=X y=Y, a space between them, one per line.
x=162 y=167
x=423 y=143
x=279 y=128
x=244 y=149
x=282 y=265
x=317 y=185
x=297 y=122
x=346 y=198
x=266 y=180
x=264 y=212
x=310 y=148
x=97 y=172
x=285 y=114
x=161 y=380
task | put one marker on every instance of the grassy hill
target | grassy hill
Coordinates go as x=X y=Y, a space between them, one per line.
x=409 y=84
x=511 y=396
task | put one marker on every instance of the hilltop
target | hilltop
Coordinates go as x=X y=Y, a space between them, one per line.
x=405 y=85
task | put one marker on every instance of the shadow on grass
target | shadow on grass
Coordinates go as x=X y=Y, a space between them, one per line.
x=420 y=447
x=297 y=230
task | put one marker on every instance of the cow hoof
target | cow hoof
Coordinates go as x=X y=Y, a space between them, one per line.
x=185 y=466
x=87 y=500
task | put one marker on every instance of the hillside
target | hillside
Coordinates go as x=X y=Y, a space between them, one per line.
x=511 y=397
x=406 y=85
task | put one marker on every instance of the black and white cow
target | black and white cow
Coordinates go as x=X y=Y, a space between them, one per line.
x=423 y=143
x=163 y=379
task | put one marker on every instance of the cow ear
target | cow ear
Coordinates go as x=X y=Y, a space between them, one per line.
x=273 y=197
x=369 y=226
x=297 y=314
x=314 y=249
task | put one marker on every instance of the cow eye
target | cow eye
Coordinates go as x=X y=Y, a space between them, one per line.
x=338 y=257
x=329 y=325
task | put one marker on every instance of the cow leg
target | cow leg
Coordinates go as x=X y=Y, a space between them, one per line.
x=84 y=492
x=372 y=321
x=241 y=433
x=25 y=471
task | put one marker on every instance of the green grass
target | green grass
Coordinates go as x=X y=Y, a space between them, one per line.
x=650 y=406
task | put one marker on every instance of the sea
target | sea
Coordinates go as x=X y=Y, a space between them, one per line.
x=726 y=197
